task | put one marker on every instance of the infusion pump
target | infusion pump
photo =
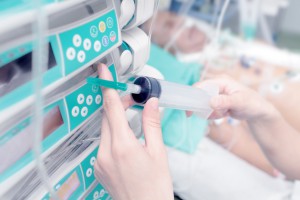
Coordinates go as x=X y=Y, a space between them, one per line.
x=79 y=34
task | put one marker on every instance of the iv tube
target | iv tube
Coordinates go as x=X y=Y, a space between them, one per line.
x=39 y=63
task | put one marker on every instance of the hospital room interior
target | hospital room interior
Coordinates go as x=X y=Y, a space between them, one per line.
x=55 y=103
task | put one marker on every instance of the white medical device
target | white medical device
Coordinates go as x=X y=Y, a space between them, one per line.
x=79 y=34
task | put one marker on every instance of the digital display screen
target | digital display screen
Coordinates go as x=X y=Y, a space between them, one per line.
x=65 y=191
x=19 y=140
x=19 y=71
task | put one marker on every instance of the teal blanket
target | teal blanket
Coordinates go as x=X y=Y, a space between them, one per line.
x=178 y=131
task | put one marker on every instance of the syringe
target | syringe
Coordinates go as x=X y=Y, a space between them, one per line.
x=170 y=95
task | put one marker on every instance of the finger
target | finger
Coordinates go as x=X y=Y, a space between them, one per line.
x=127 y=101
x=105 y=141
x=151 y=126
x=113 y=108
x=221 y=102
x=218 y=114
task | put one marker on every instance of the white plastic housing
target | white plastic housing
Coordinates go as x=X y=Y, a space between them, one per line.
x=143 y=11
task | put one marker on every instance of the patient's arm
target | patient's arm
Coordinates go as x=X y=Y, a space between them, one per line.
x=264 y=77
x=279 y=141
x=286 y=100
x=237 y=139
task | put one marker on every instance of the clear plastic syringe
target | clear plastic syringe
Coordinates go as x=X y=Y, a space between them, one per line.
x=176 y=96
x=170 y=95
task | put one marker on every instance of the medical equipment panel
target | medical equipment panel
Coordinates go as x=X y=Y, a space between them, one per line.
x=60 y=119
x=80 y=34
x=98 y=193
x=80 y=179
x=85 y=43
x=55 y=127
x=71 y=49
x=82 y=103
x=16 y=72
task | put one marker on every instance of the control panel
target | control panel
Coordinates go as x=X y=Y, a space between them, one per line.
x=60 y=119
x=69 y=52
x=80 y=179
x=85 y=43
x=83 y=103
x=79 y=35
x=98 y=193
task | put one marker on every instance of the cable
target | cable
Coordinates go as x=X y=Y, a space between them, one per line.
x=40 y=62
x=153 y=19
x=215 y=42
x=183 y=10
x=221 y=19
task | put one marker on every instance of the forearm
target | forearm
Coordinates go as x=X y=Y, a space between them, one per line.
x=280 y=142
x=238 y=140
x=248 y=149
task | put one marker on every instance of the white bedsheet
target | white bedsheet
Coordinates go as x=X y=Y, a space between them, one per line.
x=213 y=173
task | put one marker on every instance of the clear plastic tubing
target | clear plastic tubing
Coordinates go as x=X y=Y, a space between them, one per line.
x=176 y=96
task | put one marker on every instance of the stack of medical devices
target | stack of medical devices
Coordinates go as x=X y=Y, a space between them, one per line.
x=49 y=114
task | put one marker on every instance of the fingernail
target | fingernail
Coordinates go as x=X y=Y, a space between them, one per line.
x=154 y=103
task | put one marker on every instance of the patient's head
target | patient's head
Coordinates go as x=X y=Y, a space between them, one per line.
x=167 y=24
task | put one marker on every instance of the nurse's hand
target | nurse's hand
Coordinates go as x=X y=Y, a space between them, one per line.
x=279 y=141
x=238 y=101
x=124 y=166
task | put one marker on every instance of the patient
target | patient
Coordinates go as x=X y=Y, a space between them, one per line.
x=169 y=25
x=255 y=73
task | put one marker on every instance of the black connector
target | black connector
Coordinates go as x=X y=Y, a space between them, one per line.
x=150 y=87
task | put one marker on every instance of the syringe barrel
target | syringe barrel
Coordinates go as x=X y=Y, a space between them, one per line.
x=181 y=97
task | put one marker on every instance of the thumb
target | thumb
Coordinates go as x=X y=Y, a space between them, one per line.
x=151 y=125
x=221 y=102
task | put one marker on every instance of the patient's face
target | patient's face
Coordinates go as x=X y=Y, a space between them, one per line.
x=167 y=24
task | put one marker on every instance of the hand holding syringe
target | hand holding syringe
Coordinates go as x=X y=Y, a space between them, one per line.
x=170 y=95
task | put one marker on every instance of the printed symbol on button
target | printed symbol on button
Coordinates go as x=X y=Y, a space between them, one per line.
x=105 y=41
x=89 y=100
x=80 y=98
x=93 y=31
x=102 y=27
x=97 y=46
x=87 y=44
x=77 y=40
x=84 y=111
x=75 y=111
x=112 y=36
x=109 y=22
x=81 y=56
x=89 y=172
x=92 y=161
x=102 y=193
x=96 y=195
x=98 y=99
x=71 y=53
x=95 y=88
